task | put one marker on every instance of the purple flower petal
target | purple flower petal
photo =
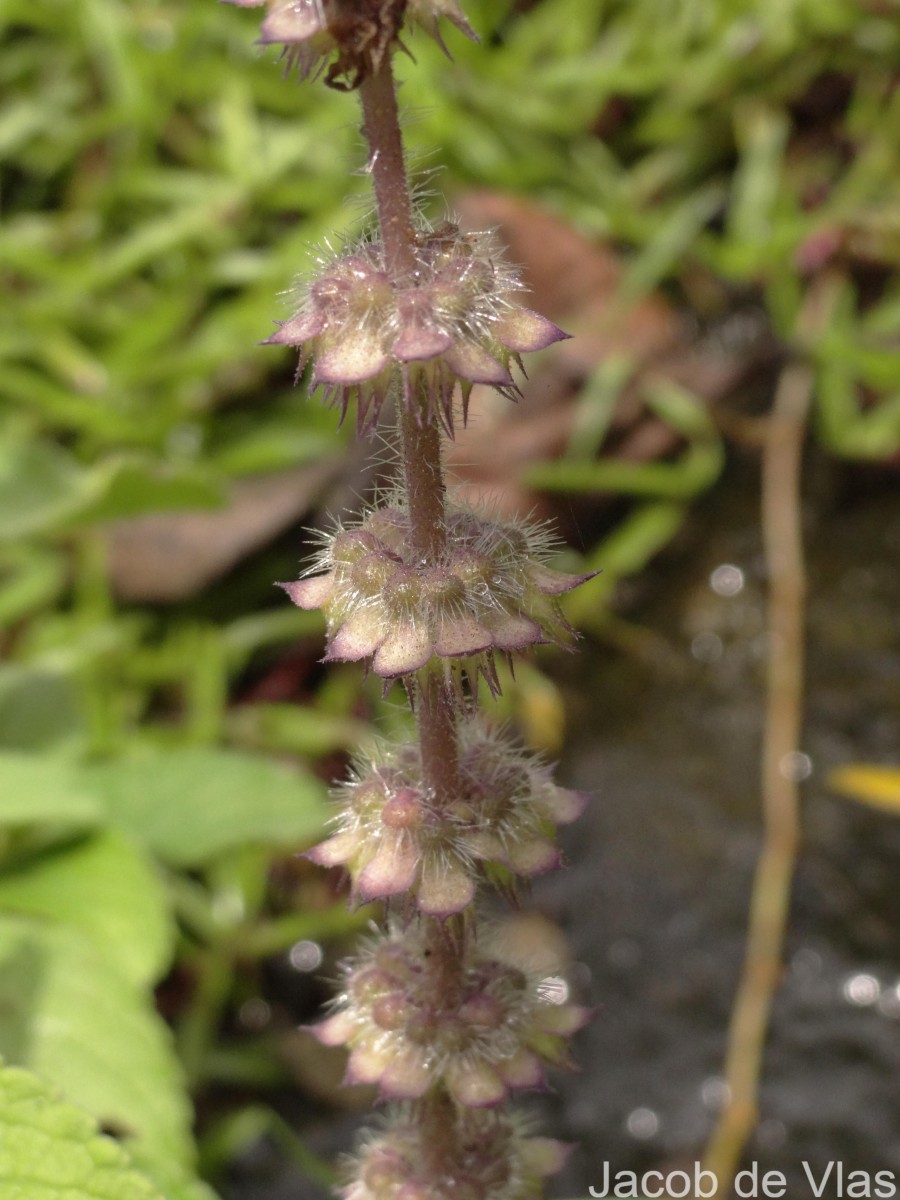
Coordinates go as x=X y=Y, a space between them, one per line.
x=564 y=805
x=299 y=329
x=360 y=635
x=458 y=636
x=512 y=631
x=313 y=592
x=391 y=871
x=563 y=1019
x=294 y=21
x=444 y=888
x=335 y=851
x=349 y=359
x=484 y=845
x=336 y=1030
x=544 y=1156
x=417 y=343
x=476 y=1085
x=555 y=583
x=469 y=361
x=406 y=1077
x=533 y=856
x=365 y=1065
x=524 y=331
x=522 y=1070
x=405 y=649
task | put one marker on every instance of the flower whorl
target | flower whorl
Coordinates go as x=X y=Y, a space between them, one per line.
x=453 y=321
x=492 y=591
x=359 y=32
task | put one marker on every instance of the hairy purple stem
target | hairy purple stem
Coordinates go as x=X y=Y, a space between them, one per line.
x=425 y=494
x=422 y=467
x=381 y=129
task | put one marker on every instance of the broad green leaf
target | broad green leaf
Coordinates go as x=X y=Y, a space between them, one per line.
x=294 y=728
x=68 y=1013
x=105 y=887
x=34 y=789
x=39 y=485
x=191 y=805
x=879 y=787
x=51 y=1150
x=39 y=708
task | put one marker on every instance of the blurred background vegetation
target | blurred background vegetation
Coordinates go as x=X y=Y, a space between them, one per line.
x=165 y=730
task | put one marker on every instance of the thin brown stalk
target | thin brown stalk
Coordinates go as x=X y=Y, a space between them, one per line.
x=771 y=894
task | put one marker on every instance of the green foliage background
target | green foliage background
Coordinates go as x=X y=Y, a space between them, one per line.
x=161 y=184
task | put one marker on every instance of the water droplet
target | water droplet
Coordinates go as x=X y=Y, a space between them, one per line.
x=715 y=1093
x=554 y=990
x=305 y=956
x=796 y=766
x=642 y=1123
x=255 y=1014
x=727 y=580
x=806 y=962
x=861 y=989
x=707 y=647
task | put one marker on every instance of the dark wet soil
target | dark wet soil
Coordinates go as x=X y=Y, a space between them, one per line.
x=657 y=901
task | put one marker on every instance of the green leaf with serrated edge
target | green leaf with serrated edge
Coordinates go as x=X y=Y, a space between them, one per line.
x=191 y=805
x=106 y=887
x=36 y=789
x=50 y=1150
x=68 y=1013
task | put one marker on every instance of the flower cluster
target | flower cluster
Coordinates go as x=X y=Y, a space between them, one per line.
x=498 y=1161
x=359 y=32
x=406 y=1035
x=394 y=841
x=492 y=591
x=453 y=320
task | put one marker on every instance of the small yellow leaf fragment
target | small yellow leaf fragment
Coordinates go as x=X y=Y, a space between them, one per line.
x=879 y=787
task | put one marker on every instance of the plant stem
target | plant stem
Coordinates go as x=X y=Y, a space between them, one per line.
x=422 y=467
x=425 y=494
x=770 y=901
x=381 y=129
